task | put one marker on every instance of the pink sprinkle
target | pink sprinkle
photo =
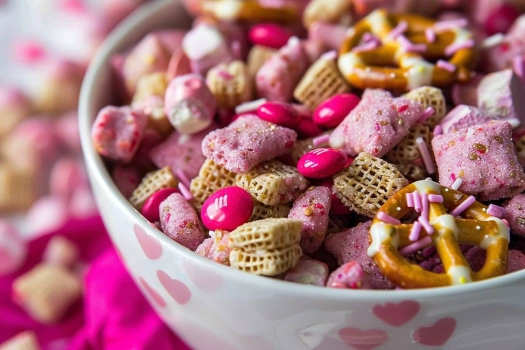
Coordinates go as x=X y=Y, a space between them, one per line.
x=249 y=106
x=449 y=67
x=495 y=210
x=430 y=35
x=426 y=225
x=377 y=126
x=417 y=201
x=410 y=200
x=29 y=51
x=409 y=46
x=424 y=205
x=438 y=130
x=413 y=247
x=224 y=74
x=330 y=55
x=321 y=140
x=426 y=114
x=381 y=215
x=425 y=154
x=456 y=184
x=505 y=222
x=369 y=37
x=435 y=198
x=182 y=177
x=450 y=24
x=428 y=251
x=398 y=30
x=369 y=46
x=415 y=231
x=453 y=48
x=463 y=206
x=185 y=192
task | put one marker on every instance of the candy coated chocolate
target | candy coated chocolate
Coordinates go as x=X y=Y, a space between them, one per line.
x=227 y=209
x=336 y=207
x=279 y=113
x=269 y=35
x=333 y=110
x=150 y=209
x=321 y=162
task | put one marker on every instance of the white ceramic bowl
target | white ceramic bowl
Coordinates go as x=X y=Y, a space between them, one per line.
x=217 y=307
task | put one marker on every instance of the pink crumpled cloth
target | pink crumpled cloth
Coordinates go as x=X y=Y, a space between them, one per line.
x=113 y=313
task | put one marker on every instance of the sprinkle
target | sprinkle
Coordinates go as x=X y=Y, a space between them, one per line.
x=450 y=24
x=224 y=74
x=470 y=132
x=321 y=140
x=456 y=184
x=426 y=225
x=415 y=246
x=415 y=231
x=505 y=222
x=398 y=30
x=463 y=206
x=185 y=192
x=368 y=37
x=435 y=198
x=430 y=35
x=428 y=251
x=453 y=48
x=492 y=40
x=424 y=205
x=369 y=46
x=410 y=200
x=183 y=177
x=426 y=114
x=329 y=56
x=409 y=46
x=249 y=106
x=438 y=130
x=381 y=215
x=495 y=210
x=425 y=154
x=446 y=65
x=417 y=201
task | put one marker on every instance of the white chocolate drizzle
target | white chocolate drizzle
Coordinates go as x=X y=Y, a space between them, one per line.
x=379 y=234
x=459 y=275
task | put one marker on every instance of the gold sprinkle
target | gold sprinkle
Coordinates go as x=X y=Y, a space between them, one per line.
x=512 y=174
x=461 y=173
x=384 y=122
x=498 y=139
x=452 y=143
x=480 y=147
x=473 y=156
x=308 y=211
x=149 y=59
x=520 y=220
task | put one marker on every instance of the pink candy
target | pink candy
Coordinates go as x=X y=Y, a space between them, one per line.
x=336 y=206
x=279 y=113
x=269 y=34
x=333 y=110
x=349 y=275
x=321 y=162
x=227 y=209
x=500 y=19
x=150 y=209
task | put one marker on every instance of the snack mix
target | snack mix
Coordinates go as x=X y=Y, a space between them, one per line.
x=346 y=144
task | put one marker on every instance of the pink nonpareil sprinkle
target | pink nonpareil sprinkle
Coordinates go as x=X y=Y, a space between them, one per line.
x=425 y=154
x=456 y=184
x=453 y=48
x=417 y=201
x=449 y=67
x=381 y=215
x=429 y=111
x=450 y=24
x=29 y=51
x=183 y=177
x=415 y=231
x=224 y=74
x=321 y=140
x=424 y=206
x=409 y=46
x=185 y=192
x=410 y=200
x=411 y=248
x=250 y=106
x=398 y=30
x=495 y=210
x=438 y=130
x=435 y=198
x=369 y=46
x=369 y=37
x=430 y=35
x=426 y=225
x=463 y=206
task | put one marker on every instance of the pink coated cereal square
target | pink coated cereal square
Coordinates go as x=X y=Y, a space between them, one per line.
x=483 y=157
x=312 y=208
x=180 y=222
x=247 y=142
x=376 y=124
x=351 y=245
x=515 y=214
x=216 y=247
x=181 y=151
x=117 y=132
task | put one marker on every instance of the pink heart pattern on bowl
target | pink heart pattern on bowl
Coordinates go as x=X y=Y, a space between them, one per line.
x=436 y=334
x=153 y=294
x=396 y=314
x=149 y=244
x=207 y=281
x=177 y=289
x=363 y=339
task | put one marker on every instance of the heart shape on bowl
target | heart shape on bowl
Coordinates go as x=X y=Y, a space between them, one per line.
x=437 y=334
x=178 y=290
x=154 y=295
x=396 y=314
x=360 y=339
x=207 y=281
x=149 y=244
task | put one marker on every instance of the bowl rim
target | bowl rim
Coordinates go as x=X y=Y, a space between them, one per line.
x=99 y=173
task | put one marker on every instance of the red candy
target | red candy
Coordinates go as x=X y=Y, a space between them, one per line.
x=333 y=110
x=150 y=209
x=321 y=162
x=336 y=207
x=227 y=209
x=269 y=35
x=279 y=113
x=307 y=129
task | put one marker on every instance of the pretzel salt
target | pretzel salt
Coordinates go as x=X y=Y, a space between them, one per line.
x=372 y=67
x=474 y=227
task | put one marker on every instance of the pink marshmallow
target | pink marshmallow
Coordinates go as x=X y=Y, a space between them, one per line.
x=515 y=214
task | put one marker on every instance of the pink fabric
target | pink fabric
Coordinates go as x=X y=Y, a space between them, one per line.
x=113 y=313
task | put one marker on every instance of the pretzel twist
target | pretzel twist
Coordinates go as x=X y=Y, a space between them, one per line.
x=475 y=227
x=391 y=66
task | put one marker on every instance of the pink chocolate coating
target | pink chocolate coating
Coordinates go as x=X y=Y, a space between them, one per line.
x=312 y=208
x=376 y=124
x=216 y=247
x=180 y=222
x=463 y=116
x=247 y=142
x=350 y=275
x=483 y=157
x=516 y=261
x=515 y=214
x=308 y=271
